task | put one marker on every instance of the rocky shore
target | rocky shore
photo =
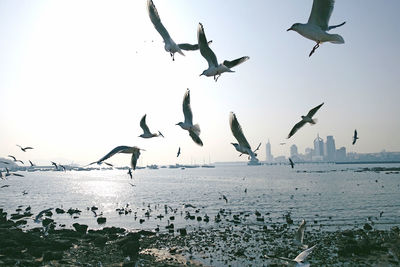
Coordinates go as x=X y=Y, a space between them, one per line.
x=223 y=244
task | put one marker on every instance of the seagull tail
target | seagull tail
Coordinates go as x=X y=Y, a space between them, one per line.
x=180 y=51
x=314 y=121
x=196 y=129
x=336 y=39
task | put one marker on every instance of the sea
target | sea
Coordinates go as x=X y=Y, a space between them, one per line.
x=332 y=196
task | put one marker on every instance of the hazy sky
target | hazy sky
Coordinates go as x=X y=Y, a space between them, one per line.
x=77 y=76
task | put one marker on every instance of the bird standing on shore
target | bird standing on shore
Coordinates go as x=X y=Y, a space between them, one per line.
x=318 y=25
x=194 y=130
x=146 y=131
x=214 y=69
x=304 y=119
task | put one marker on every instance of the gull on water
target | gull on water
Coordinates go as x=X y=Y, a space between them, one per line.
x=146 y=131
x=24 y=148
x=169 y=44
x=242 y=146
x=318 y=25
x=304 y=119
x=135 y=151
x=355 y=137
x=214 y=69
x=194 y=130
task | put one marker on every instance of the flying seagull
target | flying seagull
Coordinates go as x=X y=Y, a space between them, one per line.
x=146 y=131
x=24 y=148
x=54 y=164
x=214 y=69
x=355 y=137
x=4 y=162
x=169 y=44
x=179 y=152
x=8 y=173
x=135 y=151
x=304 y=119
x=130 y=172
x=32 y=165
x=291 y=163
x=194 y=130
x=299 y=236
x=242 y=146
x=300 y=259
x=15 y=160
x=318 y=25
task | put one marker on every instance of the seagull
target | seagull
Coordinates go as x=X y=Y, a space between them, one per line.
x=24 y=148
x=135 y=151
x=282 y=144
x=304 y=119
x=62 y=167
x=179 y=152
x=169 y=44
x=299 y=236
x=146 y=131
x=300 y=259
x=291 y=163
x=355 y=137
x=130 y=172
x=32 y=165
x=8 y=173
x=4 y=162
x=214 y=69
x=194 y=130
x=40 y=214
x=242 y=146
x=15 y=160
x=54 y=164
x=317 y=26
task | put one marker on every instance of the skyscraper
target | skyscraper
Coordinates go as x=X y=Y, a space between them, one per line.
x=293 y=151
x=318 y=149
x=330 y=148
x=269 y=157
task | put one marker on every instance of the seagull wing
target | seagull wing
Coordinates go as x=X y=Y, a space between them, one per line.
x=155 y=19
x=299 y=236
x=237 y=131
x=205 y=50
x=303 y=255
x=12 y=157
x=190 y=47
x=116 y=150
x=135 y=157
x=144 y=126
x=235 y=62
x=355 y=137
x=312 y=112
x=321 y=13
x=187 y=110
x=296 y=128
x=258 y=147
x=292 y=164
x=28 y=147
x=195 y=137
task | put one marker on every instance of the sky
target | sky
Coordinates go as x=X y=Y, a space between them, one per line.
x=77 y=76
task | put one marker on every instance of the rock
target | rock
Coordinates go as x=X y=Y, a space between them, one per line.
x=182 y=231
x=50 y=255
x=80 y=228
x=48 y=213
x=21 y=222
x=60 y=211
x=73 y=211
x=47 y=221
x=367 y=227
x=100 y=241
x=101 y=220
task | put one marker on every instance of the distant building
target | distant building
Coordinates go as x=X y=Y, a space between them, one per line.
x=293 y=151
x=318 y=149
x=330 y=149
x=308 y=153
x=341 y=154
x=268 y=157
x=280 y=159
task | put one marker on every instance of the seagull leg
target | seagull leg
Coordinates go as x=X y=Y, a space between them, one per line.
x=216 y=78
x=172 y=55
x=314 y=48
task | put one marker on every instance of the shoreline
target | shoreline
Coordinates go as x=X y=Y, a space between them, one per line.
x=227 y=243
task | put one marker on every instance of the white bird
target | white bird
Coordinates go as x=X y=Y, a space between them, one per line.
x=146 y=131
x=299 y=236
x=214 y=69
x=300 y=260
x=135 y=151
x=194 y=130
x=355 y=137
x=242 y=146
x=318 y=24
x=169 y=44
x=304 y=119
x=24 y=148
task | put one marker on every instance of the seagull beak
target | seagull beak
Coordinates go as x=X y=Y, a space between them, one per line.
x=200 y=75
x=290 y=29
